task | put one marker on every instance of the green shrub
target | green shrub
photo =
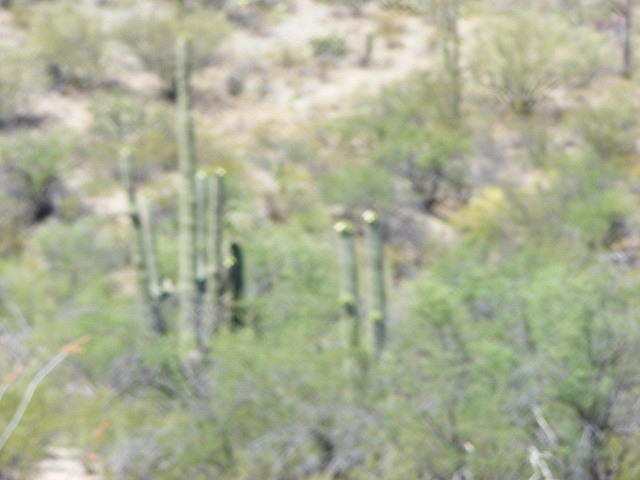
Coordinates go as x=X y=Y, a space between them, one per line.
x=332 y=45
x=152 y=39
x=148 y=130
x=71 y=42
x=406 y=133
x=520 y=58
x=33 y=165
x=610 y=129
x=19 y=80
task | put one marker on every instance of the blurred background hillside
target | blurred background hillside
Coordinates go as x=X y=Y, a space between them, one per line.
x=407 y=245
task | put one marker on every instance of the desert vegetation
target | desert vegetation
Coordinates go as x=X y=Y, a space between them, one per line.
x=313 y=240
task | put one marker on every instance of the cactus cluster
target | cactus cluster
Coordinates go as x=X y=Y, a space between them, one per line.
x=204 y=279
x=350 y=301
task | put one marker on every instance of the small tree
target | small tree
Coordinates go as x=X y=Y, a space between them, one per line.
x=520 y=58
x=152 y=38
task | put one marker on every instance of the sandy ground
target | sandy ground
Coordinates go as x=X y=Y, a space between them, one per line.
x=64 y=464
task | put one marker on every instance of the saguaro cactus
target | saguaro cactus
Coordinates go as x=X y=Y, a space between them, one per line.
x=190 y=327
x=204 y=281
x=143 y=251
x=349 y=296
x=377 y=294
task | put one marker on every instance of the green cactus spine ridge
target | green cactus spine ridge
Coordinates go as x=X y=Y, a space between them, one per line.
x=190 y=323
x=237 y=286
x=349 y=296
x=378 y=294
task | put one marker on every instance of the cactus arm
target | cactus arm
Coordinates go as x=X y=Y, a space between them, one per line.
x=349 y=297
x=142 y=257
x=378 y=295
x=159 y=323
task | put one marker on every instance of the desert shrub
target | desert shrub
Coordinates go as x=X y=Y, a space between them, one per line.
x=152 y=37
x=472 y=323
x=590 y=208
x=33 y=165
x=148 y=130
x=407 y=134
x=71 y=42
x=19 y=80
x=358 y=186
x=610 y=128
x=521 y=58
x=293 y=281
x=328 y=46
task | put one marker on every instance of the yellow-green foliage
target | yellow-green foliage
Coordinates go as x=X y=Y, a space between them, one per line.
x=483 y=214
x=20 y=77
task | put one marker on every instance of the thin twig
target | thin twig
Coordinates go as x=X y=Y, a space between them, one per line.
x=69 y=349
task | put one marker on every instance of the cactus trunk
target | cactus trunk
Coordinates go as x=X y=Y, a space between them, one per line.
x=189 y=322
x=378 y=294
x=349 y=297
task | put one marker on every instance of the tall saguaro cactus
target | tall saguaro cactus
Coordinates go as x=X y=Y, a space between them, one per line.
x=349 y=296
x=377 y=294
x=190 y=327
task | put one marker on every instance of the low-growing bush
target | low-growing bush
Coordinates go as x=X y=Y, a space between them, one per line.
x=610 y=128
x=71 y=42
x=332 y=45
x=19 y=80
x=32 y=168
